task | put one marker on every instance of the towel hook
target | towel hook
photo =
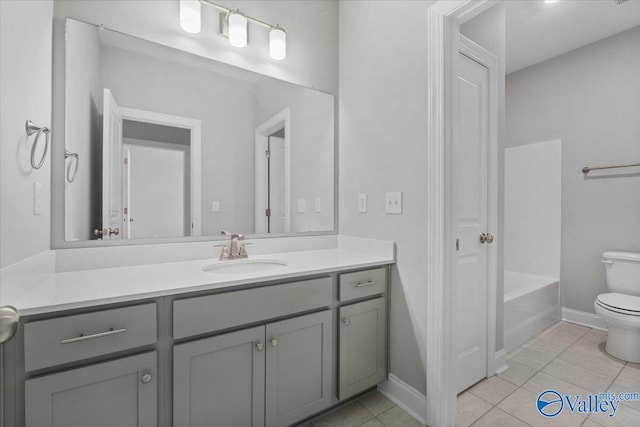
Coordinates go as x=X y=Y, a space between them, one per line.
x=31 y=128
x=74 y=156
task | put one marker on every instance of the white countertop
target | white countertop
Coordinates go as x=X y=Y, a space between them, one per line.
x=85 y=288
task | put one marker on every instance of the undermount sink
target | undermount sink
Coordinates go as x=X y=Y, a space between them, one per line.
x=244 y=266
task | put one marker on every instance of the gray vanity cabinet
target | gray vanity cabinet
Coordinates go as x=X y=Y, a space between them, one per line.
x=121 y=393
x=298 y=365
x=362 y=355
x=219 y=381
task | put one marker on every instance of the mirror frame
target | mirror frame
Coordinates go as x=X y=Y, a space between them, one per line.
x=58 y=164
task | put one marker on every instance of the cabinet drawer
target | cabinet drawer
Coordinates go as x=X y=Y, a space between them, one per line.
x=71 y=338
x=362 y=284
x=200 y=315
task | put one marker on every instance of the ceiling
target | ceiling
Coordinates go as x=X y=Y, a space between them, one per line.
x=536 y=31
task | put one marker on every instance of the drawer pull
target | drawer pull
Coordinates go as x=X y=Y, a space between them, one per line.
x=365 y=283
x=92 y=336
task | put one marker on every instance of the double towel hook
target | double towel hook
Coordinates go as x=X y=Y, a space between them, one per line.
x=31 y=129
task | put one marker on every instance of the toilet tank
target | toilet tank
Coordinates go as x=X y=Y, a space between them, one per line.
x=622 y=272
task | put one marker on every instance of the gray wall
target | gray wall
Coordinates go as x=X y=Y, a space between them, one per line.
x=589 y=98
x=25 y=94
x=488 y=30
x=383 y=133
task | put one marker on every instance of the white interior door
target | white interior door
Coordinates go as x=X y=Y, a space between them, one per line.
x=276 y=185
x=112 y=163
x=470 y=271
x=156 y=191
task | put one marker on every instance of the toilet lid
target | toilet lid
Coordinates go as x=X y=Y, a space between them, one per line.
x=620 y=303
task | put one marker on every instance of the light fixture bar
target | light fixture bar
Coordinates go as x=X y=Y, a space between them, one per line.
x=227 y=10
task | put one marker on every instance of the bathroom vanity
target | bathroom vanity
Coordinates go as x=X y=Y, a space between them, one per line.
x=241 y=349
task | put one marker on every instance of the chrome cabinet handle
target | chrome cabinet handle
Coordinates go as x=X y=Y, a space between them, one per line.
x=146 y=378
x=489 y=238
x=347 y=322
x=92 y=336
x=486 y=238
x=365 y=283
x=274 y=342
x=259 y=346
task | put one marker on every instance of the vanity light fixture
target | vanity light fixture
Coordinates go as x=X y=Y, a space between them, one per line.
x=277 y=43
x=190 y=16
x=233 y=25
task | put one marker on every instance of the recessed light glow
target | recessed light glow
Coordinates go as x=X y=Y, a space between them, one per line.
x=190 y=16
x=551 y=1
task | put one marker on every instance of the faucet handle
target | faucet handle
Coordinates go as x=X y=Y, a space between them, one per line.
x=225 y=233
x=224 y=255
x=243 y=250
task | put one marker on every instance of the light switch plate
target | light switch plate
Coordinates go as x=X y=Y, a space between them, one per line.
x=302 y=206
x=215 y=206
x=318 y=205
x=37 y=198
x=362 y=202
x=393 y=203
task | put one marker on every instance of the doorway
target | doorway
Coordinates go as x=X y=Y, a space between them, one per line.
x=272 y=174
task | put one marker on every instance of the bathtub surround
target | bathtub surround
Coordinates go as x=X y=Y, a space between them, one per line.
x=532 y=209
x=589 y=98
x=25 y=94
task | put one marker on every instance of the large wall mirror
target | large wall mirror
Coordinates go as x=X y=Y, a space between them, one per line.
x=161 y=143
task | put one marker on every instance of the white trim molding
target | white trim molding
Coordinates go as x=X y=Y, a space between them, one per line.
x=583 y=318
x=500 y=362
x=444 y=18
x=406 y=397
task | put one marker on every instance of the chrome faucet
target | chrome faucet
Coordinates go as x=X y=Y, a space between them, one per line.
x=235 y=250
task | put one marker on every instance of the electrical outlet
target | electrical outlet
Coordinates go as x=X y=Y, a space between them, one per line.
x=215 y=206
x=302 y=206
x=393 y=203
x=318 y=205
x=37 y=198
x=362 y=202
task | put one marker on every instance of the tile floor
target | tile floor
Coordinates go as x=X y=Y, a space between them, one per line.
x=370 y=410
x=566 y=357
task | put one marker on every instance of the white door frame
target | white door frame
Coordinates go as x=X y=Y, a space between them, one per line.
x=444 y=19
x=195 y=133
x=262 y=132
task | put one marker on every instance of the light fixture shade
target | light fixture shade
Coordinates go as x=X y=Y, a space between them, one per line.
x=278 y=43
x=190 y=17
x=237 y=29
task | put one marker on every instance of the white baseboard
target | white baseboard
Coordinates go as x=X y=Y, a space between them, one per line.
x=500 y=362
x=583 y=318
x=406 y=397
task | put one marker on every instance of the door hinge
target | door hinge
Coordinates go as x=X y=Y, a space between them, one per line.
x=126 y=211
x=267 y=212
x=267 y=154
x=126 y=161
x=457 y=244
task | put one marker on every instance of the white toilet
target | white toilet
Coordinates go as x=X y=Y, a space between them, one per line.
x=620 y=309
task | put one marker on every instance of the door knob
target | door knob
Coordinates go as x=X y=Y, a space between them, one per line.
x=9 y=321
x=146 y=378
x=259 y=346
x=489 y=238
x=274 y=342
x=347 y=322
x=483 y=238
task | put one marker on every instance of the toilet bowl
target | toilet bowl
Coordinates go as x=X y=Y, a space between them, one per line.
x=620 y=309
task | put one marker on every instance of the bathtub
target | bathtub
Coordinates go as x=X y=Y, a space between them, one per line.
x=531 y=305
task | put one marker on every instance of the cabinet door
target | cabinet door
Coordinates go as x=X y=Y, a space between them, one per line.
x=362 y=354
x=298 y=378
x=219 y=381
x=119 y=393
